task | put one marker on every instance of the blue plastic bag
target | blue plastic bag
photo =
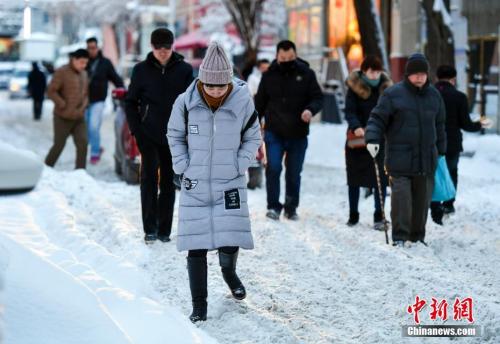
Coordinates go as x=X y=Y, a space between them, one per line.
x=444 y=189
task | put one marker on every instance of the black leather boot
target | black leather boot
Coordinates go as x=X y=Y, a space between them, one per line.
x=197 y=271
x=228 y=266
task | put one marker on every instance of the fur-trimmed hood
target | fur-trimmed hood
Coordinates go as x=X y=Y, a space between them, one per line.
x=361 y=88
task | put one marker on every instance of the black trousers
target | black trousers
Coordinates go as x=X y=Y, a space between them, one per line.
x=156 y=173
x=37 y=108
x=410 y=200
x=203 y=253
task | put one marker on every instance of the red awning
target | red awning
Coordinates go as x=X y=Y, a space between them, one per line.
x=192 y=40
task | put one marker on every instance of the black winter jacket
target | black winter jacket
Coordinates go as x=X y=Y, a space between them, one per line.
x=283 y=96
x=360 y=101
x=457 y=116
x=37 y=84
x=152 y=92
x=412 y=121
x=100 y=72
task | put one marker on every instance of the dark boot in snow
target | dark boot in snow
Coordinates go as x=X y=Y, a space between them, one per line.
x=228 y=266
x=164 y=238
x=353 y=218
x=437 y=213
x=292 y=215
x=197 y=271
x=378 y=222
x=448 y=208
x=273 y=214
x=150 y=238
x=398 y=243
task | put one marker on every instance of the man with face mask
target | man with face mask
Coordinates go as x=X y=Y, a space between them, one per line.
x=411 y=115
x=155 y=84
x=288 y=97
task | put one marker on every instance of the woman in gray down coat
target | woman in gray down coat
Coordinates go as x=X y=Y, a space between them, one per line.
x=213 y=133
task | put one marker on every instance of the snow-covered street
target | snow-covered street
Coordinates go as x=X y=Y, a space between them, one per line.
x=76 y=269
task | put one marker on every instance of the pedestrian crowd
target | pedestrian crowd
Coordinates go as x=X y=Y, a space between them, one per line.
x=209 y=130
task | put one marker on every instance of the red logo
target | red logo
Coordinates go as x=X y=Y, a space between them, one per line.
x=439 y=310
x=416 y=308
x=462 y=309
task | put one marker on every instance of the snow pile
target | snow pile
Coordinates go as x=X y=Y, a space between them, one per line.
x=62 y=287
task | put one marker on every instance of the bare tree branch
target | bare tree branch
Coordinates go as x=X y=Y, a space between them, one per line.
x=246 y=15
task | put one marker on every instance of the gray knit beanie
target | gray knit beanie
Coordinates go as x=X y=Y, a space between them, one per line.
x=215 y=68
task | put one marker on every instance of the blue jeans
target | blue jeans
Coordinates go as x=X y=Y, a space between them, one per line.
x=295 y=149
x=93 y=117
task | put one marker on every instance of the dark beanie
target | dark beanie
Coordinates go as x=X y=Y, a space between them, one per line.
x=162 y=36
x=417 y=63
x=446 y=72
x=80 y=54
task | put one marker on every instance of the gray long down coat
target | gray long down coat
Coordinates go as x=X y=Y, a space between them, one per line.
x=213 y=208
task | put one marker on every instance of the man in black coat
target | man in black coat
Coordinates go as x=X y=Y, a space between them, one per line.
x=288 y=97
x=411 y=115
x=100 y=72
x=155 y=84
x=37 y=83
x=457 y=119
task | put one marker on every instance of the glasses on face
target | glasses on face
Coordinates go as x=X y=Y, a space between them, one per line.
x=212 y=86
x=164 y=46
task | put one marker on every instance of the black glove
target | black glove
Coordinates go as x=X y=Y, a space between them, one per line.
x=178 y=180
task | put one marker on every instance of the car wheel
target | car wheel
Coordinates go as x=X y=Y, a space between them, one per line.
x=255 y=177
x=130 y=176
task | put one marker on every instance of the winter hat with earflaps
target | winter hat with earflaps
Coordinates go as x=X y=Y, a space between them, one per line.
x=216 y=68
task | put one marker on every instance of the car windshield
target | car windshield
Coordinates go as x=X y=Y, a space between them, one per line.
x=21 y=73
x=5 y=72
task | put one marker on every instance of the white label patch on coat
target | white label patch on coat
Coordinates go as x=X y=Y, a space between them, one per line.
x=193 y=129
x=232 y=199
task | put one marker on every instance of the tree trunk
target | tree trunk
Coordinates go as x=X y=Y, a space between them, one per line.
x=440 y=48
x=246 y=15
x=372 y=36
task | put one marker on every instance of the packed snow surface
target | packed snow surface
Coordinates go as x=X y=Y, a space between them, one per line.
x=75 y=268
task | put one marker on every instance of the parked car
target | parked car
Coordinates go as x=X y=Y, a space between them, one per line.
x=127 y=156
x=18 y=83
x=6 y=70
x=20 y=170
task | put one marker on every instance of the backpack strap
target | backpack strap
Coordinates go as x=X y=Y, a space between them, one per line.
x=186 y=120
x=250 y=122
